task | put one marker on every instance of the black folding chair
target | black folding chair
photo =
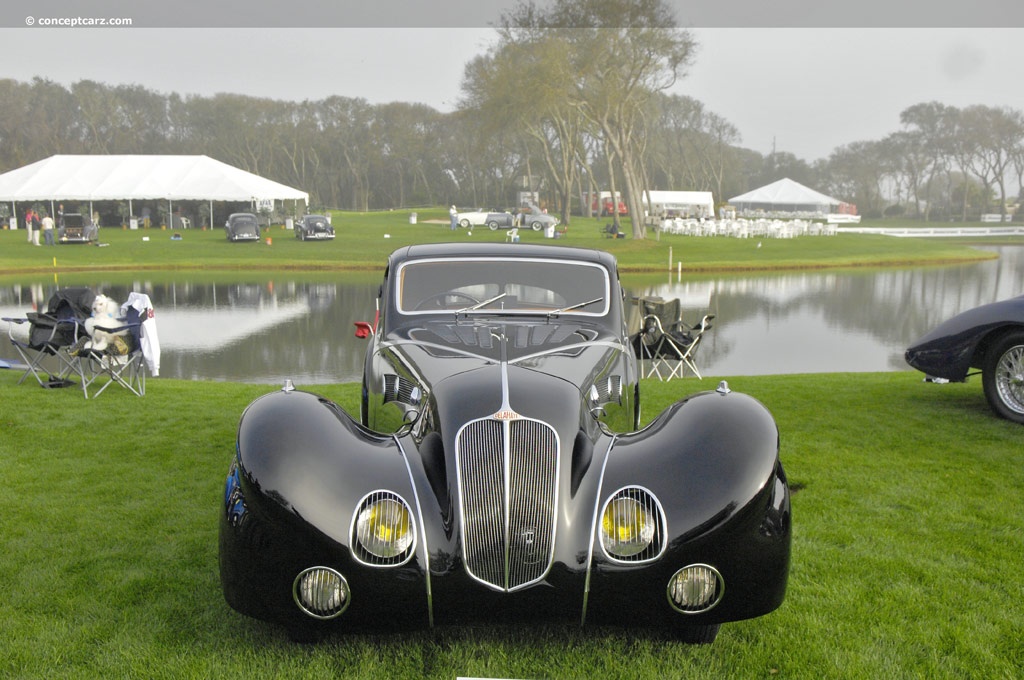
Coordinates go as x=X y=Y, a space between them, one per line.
x=664 y=343
x=49 y=334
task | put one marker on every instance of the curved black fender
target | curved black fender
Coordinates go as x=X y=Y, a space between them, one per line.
x=713 y=462
x=302 y=467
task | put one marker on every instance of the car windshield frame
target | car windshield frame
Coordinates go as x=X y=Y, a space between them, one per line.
x=417 y=281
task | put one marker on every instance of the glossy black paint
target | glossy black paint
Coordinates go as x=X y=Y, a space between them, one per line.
x=959 y=344
x=303 y=465
x=241 y=227
x=314 y=227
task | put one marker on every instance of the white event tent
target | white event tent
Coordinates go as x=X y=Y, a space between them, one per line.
x=139 y=177
x=696 y=203
x=785 y=195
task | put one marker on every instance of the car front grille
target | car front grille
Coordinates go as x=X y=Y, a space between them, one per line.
x=508 y=476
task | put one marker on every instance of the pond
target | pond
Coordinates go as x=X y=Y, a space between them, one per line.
x=264 y=330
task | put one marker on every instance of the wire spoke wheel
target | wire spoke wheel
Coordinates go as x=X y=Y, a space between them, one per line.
x=1003 y=377
x=1010 y=378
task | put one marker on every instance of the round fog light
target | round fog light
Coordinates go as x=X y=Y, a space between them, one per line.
x=695 y=589
x=321 y=592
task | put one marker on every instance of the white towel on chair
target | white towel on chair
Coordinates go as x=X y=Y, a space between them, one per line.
x=150 y=340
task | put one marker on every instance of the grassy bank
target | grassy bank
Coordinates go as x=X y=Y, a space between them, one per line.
x=364 y=241
x=908 y=539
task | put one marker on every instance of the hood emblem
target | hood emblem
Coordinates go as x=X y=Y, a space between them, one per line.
x=506 y=414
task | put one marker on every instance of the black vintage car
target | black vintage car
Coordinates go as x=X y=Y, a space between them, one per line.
x=314 y=228
x=77 y=228
x=989 y=338
x=242 y=227
x=495 y=472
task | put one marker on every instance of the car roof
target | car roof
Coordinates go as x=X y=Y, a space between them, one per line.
x=503 y=250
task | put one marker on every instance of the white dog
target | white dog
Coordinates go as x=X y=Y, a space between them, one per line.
x=105 y=315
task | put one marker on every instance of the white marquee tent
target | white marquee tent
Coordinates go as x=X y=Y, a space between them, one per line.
x=785 y=195
x=697 y=203
x=137 y=177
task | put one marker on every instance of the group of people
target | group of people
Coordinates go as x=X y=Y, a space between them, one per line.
x=34 y=223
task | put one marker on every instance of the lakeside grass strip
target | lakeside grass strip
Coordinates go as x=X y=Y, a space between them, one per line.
x=364 y=241
x=906 y=562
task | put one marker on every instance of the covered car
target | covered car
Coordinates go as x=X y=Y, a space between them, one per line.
x=242 y=227
x=314 y=228
x=988 y=338
x=497 y=472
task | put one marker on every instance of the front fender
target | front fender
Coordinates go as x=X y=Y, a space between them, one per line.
x=714 y=452
x=300 y=450
x=303 y=465
x=712 y=462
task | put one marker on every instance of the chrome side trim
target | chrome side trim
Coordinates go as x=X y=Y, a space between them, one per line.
x=422 y=533
x=593 y=528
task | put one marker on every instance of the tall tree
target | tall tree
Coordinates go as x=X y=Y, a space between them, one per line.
x=620 y=53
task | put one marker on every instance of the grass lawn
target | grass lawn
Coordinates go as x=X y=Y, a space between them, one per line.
x=908 y=544
x=365 y=239
x=908 y=530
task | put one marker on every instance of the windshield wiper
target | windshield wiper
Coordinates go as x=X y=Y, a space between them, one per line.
x=480 y=304
x=556 y=312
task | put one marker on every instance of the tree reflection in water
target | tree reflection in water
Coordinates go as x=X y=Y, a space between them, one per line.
x=804 y=322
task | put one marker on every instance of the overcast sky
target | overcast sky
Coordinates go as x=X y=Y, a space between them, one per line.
x=802 y=90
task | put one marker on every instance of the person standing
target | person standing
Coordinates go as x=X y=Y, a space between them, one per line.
x=36 y=225
x=453 y=213
x=48 y=229
x=30 y=221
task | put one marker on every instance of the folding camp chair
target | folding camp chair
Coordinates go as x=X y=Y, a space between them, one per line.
x=664 y=342
x=49 y=333
x=123 y=362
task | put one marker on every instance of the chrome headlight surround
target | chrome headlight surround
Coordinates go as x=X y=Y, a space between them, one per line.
x=632 y=526
x=695 y=589
x=321 y=592
x=383 y=530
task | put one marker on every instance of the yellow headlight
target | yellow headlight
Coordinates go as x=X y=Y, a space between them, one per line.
x=384 y=528
x=627 y=527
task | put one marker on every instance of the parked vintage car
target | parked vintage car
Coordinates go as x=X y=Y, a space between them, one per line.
x=989 y=338
x=77 y=228
x=495 y=220
x=314 y=228
x=496 y=472
x=242 y=227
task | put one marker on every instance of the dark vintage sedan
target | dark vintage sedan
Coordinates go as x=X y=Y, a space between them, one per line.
x=989 y=338
x=242 y=227
x=77 y=228
x=496 y=472
x=314 y=228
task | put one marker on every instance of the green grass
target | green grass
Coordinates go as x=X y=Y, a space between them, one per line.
x=908 y=533
x=365 y=239
x=908 y=537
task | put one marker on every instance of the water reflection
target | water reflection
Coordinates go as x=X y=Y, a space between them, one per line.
x=264 y=331
x=821 y=322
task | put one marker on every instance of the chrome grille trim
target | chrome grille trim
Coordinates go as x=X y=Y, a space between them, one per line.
x=508 y=486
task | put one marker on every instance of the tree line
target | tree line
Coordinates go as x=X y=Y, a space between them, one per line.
x=569 y=99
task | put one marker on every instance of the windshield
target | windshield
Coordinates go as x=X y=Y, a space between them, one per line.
x=496 y=285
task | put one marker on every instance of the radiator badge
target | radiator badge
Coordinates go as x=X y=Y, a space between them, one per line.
x=506 y=414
